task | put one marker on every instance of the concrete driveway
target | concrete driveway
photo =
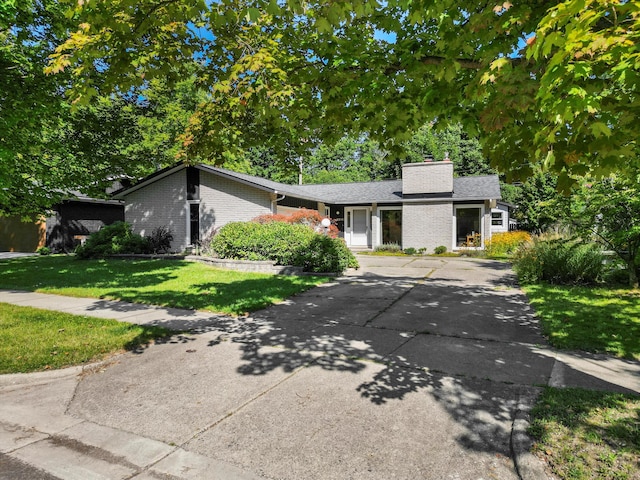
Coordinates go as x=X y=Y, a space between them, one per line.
x=7 y=255
x=405 y=369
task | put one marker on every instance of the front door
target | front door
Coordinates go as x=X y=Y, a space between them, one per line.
x=357 y=227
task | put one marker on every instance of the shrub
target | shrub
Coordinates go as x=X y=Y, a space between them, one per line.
x=439 y=250
x=43 y=251
x=558 y=260
x=326 y=254
x=283 y=243
x=410 y=251
x=160 y=239
x=506 y=243
x=389 y=247
x=276 y=241
x=113 y=239
x=302 y=216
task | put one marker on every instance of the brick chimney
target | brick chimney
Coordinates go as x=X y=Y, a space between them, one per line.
x=427 y=177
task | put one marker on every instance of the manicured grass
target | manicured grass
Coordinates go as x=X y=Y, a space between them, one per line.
x=158 y=282
x=591 y=319
x=588 y=435
x=33 y=339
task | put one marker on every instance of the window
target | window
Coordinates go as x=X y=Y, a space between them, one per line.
x=496 y=219
x=468 y=226
x=391 y=226
x=194 y=223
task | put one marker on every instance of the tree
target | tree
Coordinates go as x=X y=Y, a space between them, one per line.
x=551 y=83
x=609 y=210
x=31 y=171
x=540 y=206
x=348 y=160
x=50 y=151
x=451 y=142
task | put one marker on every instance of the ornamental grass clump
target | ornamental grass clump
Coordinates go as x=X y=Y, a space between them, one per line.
x=559 y=260
x=389 y=248
x=506 y=243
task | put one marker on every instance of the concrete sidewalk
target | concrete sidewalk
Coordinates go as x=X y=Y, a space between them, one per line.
x=405 y=369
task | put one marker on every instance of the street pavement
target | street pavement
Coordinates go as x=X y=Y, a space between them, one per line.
x=408 y=368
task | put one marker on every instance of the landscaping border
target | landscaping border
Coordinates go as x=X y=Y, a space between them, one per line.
x=256 y=266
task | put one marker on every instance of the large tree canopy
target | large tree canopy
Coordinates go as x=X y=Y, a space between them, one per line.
x=48 y=151
x=544 y=82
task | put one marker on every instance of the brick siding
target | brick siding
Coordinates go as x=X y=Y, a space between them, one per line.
x=223 y=201
x=161 y=203
x=427 y=177
x=427 y=225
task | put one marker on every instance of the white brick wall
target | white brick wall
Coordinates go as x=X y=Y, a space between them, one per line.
x=487 y=222
x=427 y=225
x=223 y=201
x=427 y=177
x=161 y=203
x=164 y=203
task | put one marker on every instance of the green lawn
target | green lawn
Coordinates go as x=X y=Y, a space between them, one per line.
x=32 y=339
x=159 y=282
x=591 y=319
x=588 y=435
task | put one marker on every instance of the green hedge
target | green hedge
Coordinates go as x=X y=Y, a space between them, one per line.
x=283 y=243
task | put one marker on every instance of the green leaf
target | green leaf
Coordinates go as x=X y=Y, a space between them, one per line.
x=599 y=129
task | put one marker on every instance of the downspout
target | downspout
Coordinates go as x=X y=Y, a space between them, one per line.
x=274 y=204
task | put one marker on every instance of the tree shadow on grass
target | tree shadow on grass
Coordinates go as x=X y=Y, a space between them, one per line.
x=234 y=298
x=33 y=273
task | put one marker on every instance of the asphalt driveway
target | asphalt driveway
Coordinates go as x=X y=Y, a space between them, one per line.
x=408 y=368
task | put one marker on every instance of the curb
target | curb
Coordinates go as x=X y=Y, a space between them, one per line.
x=528 y=466
x=18 y=379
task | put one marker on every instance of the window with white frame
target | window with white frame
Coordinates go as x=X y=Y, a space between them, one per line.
x=390 y=225
x=497 y=219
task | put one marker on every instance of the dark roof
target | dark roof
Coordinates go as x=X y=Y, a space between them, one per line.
x=259 y=182
x=390 y=191
x=482 y=187
x=386 y=191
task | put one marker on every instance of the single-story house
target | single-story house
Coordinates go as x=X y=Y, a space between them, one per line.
x=426 y=209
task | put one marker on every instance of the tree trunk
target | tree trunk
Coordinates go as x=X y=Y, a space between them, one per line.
x=633 y=276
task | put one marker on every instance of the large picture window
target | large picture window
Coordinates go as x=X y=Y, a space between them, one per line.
x=468 y=227
x=391 y=226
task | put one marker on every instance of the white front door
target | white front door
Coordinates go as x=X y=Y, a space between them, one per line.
x=357 y=228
